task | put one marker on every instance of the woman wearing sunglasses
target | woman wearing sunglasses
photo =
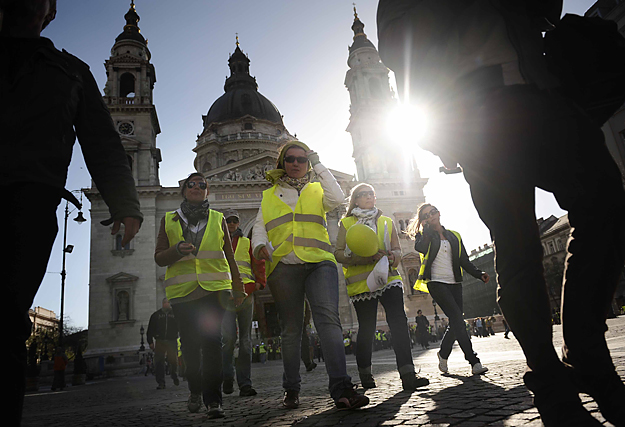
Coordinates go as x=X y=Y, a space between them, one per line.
x=290 y=235
x=362 y=210
x=443 y=258
x=194 y=244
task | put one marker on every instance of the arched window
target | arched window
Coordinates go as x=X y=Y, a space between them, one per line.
x=127 y=85
x=207 y=166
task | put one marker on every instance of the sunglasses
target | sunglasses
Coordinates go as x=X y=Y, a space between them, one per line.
x=365 y=194
x=232 y=220
x=429 y=214
x=192 y=184
x=292 y=159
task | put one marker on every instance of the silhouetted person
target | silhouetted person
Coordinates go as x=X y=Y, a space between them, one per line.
x=478 y=66
x=47 y=98
x=162 y=337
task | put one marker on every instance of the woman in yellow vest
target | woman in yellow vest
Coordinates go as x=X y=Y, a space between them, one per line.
x=194 y=244
x=290 y=235
x=443 y=257
x=362 y=210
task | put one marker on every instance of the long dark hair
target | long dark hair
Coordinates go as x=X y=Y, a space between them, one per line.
x=414 y=226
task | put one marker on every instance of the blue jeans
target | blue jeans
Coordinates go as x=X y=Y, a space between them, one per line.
x=199 y=323
x=319 y=282
x=242 y=316
x=449 y=299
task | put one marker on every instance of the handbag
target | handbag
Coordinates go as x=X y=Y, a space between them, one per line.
x=587 y=54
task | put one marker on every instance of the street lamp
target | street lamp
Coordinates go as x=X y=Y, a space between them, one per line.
x=142 y=331
x=67 y=249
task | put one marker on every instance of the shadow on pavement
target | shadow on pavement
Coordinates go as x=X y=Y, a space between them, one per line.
x=369 y=415
x=477 y=398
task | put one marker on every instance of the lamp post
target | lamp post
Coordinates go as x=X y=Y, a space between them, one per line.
x=142 y=331
x=67 y=249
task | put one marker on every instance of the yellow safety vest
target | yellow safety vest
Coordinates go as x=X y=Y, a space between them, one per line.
x=422 y=284
x=208 y=269
x=242 y=257
x=302 y=231
x=356 y=275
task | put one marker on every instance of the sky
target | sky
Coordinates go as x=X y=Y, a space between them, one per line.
x=298 y=51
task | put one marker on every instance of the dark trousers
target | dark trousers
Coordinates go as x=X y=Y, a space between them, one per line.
x=393 y=302
x=449 y=299
x=520 y=138
x=165 y=350
x=30 y=233
x=199 y=323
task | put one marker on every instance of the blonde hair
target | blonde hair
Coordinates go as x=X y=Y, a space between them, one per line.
x=414 y=226
x=351 y=203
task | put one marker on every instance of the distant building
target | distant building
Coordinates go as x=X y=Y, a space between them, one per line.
x=480 y=299
x=43 y=320
x=554 y=235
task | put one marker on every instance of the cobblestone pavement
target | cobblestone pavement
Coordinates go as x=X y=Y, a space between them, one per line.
x=457 y=399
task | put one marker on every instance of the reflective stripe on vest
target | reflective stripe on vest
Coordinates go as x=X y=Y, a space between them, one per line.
x=242 y=257
x=356 y=275
x=302 y=231
x=208 y=269
x=422 y=283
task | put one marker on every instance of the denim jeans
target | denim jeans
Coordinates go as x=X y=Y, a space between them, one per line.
x=449 y=299
x=199 y=323
x=289 y=284
x=241 y=316
x=519 y=139
x=367 y=312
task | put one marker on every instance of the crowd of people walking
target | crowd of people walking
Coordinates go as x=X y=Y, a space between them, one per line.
x=501 y=97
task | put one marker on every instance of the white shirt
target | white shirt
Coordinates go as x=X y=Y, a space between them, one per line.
x=442 y=266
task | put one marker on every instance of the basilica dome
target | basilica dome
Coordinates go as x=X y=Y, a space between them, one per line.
x=240 y=102
x=242 y=97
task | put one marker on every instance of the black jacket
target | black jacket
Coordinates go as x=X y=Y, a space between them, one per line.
x=163 y=326
x=47 y=98
x=459 y=255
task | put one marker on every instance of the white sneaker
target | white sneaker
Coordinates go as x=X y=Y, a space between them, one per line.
x=442 y=364
x=478 y=369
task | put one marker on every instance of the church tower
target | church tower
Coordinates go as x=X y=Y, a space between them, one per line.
x=125 y=287
x=382 y=161
x=128 y=95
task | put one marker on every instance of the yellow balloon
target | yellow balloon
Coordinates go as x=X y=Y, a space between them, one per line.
x=362 y=240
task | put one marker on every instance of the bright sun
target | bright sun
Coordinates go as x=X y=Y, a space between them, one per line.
x=408 y=124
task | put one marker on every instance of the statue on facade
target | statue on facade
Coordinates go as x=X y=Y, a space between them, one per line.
x=123 y=302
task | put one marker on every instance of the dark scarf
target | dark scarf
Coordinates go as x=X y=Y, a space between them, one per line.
x=194 y=213
x=237 y=232
x=297 y=183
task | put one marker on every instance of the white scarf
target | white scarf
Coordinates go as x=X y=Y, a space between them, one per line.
x=367 y=217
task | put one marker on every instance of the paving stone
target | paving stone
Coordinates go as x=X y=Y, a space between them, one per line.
x=497 y=398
